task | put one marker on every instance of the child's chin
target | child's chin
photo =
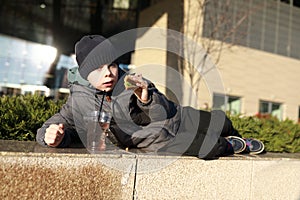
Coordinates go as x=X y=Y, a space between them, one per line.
x=107 y=89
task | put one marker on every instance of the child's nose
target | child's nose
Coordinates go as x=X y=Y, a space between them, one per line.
x=106 y=70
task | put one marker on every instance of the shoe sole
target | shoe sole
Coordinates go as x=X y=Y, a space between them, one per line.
x=242 y=141
x=262 y=148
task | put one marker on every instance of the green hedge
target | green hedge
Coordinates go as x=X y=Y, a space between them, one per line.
x=278 y=136
x=21 y=116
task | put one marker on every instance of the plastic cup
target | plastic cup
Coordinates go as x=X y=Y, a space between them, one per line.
x=97 y=124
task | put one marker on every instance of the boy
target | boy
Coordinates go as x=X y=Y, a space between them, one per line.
x=143 y=118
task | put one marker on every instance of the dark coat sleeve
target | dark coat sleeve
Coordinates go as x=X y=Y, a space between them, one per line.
x=159 y=107
x=64 y=116
x=158 y=119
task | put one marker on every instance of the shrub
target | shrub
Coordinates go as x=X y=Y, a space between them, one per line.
x=21 y=116
x=278 y=136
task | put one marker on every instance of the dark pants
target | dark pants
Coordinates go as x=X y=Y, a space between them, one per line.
x=202 y=134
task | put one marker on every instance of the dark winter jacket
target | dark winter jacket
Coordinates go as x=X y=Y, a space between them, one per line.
x=135 y=124
x=158 y=125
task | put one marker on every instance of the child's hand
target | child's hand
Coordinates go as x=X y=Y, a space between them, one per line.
x=142 y=91
x=54 y=135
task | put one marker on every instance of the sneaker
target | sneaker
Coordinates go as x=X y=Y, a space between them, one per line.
x=254 y=146
x=238 y=144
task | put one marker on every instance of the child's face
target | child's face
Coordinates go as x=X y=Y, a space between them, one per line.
x=105 y=77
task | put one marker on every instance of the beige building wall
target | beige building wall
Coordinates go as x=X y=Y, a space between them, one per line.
x=256 y=75
x=148 y=61
x=153 y=63
x=250 y=74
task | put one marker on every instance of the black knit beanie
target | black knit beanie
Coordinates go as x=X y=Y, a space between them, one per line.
x=92 y=51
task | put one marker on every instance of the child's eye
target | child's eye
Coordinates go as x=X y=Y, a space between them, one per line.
x=113 y=65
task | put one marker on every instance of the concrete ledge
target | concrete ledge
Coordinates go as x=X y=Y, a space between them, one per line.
x=31 y=172
x=226 y=178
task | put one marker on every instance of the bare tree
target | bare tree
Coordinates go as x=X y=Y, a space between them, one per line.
x=215 y=25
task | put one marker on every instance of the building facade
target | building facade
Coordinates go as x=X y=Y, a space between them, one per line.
x=254 y=45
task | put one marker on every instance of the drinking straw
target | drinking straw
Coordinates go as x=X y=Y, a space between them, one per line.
x=100 y=109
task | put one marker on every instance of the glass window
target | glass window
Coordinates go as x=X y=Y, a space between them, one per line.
x=219 y=101
x=24 y=62
x=227 y=103
x=270 y=26
x=263 y=107
x=270 y=108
